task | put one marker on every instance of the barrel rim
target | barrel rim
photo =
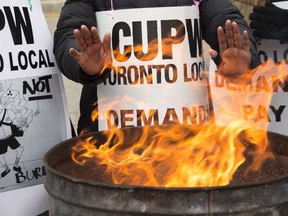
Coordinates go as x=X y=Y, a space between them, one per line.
x=235 y=186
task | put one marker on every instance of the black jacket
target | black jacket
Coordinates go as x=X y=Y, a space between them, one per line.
x=213 y=13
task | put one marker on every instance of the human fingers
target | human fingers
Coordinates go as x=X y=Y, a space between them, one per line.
x=236 y=36
x=246 y=41
x=229 y=33
x=75 y=54
x=212 y=53
x=107 y=50
x=95 y=35
x=86 y=35
x=79 y=40
x=107 y=44
x=215 y=56
x=221 y=39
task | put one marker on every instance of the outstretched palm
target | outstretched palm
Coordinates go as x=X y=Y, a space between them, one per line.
x=94 y=55
x=235 y=53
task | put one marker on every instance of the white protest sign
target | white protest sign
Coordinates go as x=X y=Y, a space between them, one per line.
x=261 y=103
x=32 y=97
x=278 y=108
x=157 y=68
x=282 y=4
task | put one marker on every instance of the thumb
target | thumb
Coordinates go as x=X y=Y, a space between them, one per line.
x=212 y=53
x=215 y=56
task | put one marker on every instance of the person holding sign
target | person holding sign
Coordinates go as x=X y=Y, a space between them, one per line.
x=147 y=58
x=267 y=19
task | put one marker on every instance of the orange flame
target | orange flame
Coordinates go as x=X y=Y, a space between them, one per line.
x=193 y=156
x=172 y=157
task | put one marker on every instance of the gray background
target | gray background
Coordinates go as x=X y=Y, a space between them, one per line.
x=51 y=9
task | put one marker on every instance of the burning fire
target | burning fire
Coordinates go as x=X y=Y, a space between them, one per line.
x=198 y=155
x=169 y=156
x=186 y=156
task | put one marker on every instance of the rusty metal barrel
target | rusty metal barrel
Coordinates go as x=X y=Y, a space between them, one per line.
x=71 y=195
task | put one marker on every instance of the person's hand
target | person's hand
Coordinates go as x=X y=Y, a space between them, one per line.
x=234 y=58
x=270 y=22
x=94 y=55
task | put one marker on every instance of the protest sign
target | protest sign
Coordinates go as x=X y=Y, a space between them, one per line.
x=263 y=101
x=157 y=74
x=32 y=97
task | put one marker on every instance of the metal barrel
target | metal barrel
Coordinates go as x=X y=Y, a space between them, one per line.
x=81 y=196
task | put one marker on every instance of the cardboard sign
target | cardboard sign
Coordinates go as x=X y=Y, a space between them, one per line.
x=157 y=75
x=32 y=97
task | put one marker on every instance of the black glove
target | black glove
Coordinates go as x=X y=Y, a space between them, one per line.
x=270 y=22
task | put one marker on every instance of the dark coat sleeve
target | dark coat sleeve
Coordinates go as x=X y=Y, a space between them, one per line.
x=214 y=13
x=74 y=14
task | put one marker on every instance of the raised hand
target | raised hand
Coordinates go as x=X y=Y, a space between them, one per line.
x=94 y=55
x=234 y=53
